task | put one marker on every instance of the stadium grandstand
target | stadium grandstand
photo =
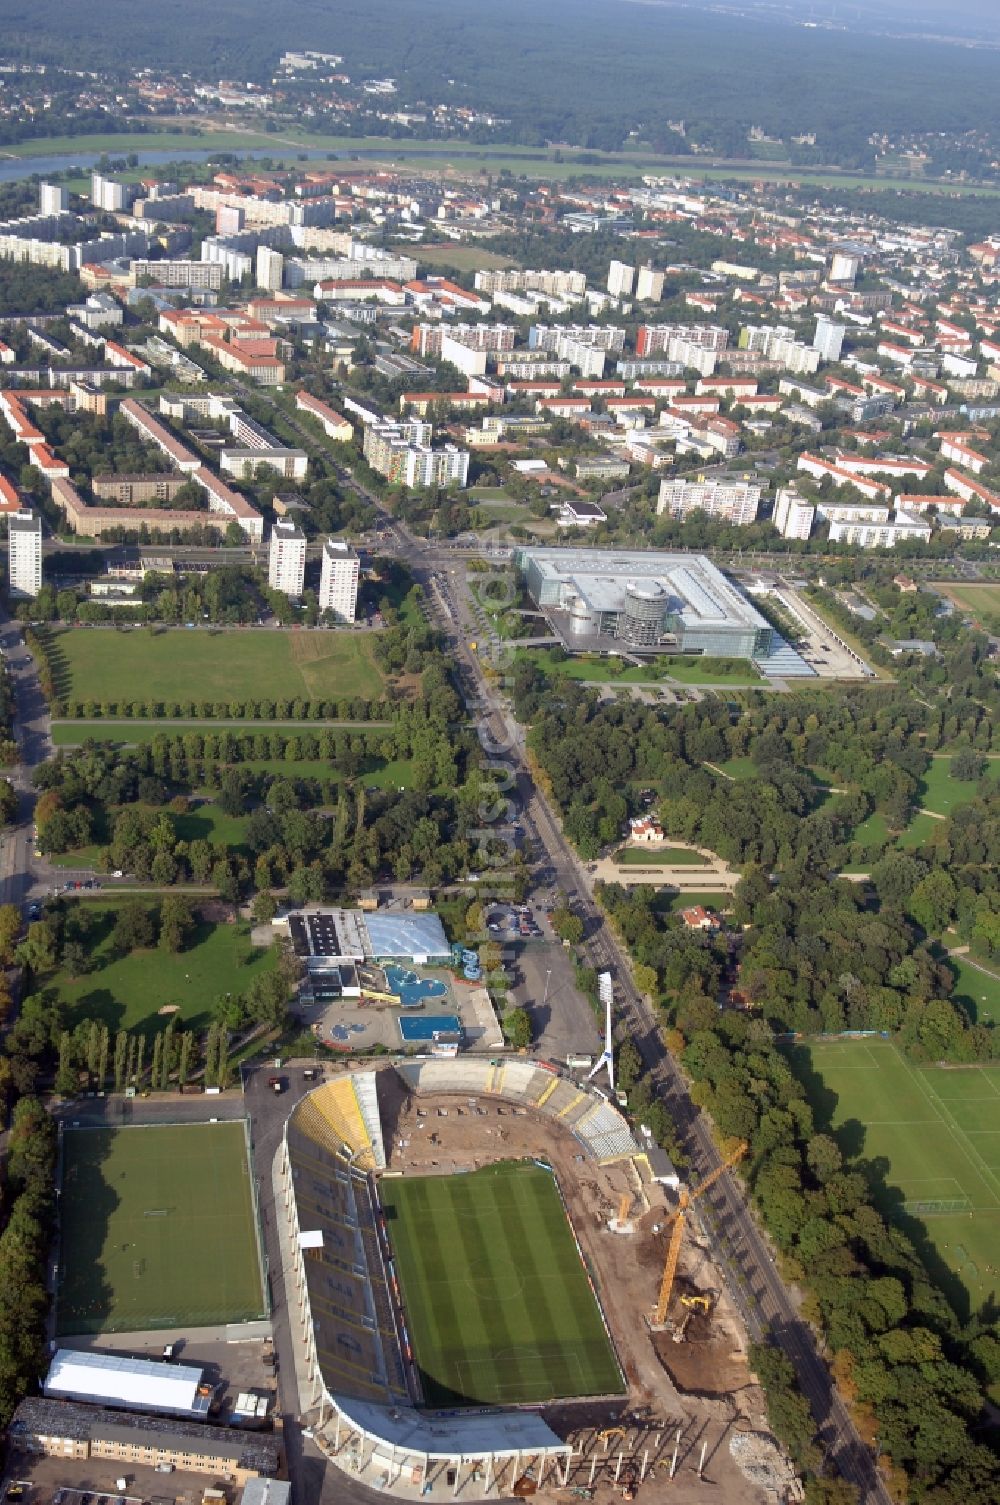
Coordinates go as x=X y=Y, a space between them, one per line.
x=587 y=1114
x=359 y=1364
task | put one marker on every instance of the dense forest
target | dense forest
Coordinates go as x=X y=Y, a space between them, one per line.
x=814 y=955
x=552 y=69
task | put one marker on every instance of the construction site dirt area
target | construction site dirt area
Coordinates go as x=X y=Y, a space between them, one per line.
x=686 y=1398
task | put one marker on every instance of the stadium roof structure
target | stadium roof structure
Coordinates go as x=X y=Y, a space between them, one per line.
x=448 y=1435
x=108 y=1379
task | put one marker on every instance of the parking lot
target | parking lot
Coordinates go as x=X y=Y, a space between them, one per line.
x=822 y=648
x=511 y=922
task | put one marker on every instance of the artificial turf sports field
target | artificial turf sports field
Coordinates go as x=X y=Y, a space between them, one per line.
x=157 y=1229
x=939 y=1132
x=498 y=1302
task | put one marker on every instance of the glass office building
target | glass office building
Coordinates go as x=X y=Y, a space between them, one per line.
x=646 y=600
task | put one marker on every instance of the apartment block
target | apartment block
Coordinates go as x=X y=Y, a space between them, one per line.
x=110 y=195
x=24 y=553
x=901 y=527
x=793 y=515
x=338 y=580
x=958 y=447
x=621 y=277
x=734 y=502
x=205 y=276
x=286 y=559
x=653 y=338
x=649 y=285
x=270 y=269
x=333 y=424
x=52 y=199
x=556 y=284
x=396 y=452
x=829 y=338
x=778 y=343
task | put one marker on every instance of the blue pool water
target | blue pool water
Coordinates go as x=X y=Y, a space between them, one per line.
x=427 y=1026
x=410 y=989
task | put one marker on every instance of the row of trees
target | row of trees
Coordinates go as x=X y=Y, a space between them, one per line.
x=911 y=1370
x=29 y=1220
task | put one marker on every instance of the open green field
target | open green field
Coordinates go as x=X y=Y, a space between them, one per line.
x=938 y=1131
x=470 y=160
x=214 y=664
x=684 y=669
x=659 y=857
x=463 y=258
x=978 y=990
x=669 y=902
x=980 y=600
x=127 y=992
x=157 y=1230
x=871 y=838
x=497 y=1298
x=121 y=145
x=941 y=794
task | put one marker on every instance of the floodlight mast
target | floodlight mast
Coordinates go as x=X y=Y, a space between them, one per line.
x=607 y=1057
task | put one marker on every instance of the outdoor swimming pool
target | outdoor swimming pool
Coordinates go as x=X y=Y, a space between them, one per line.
x=412 y=990
x=413 y=1031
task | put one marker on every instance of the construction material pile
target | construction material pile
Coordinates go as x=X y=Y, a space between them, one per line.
x=760 y=1458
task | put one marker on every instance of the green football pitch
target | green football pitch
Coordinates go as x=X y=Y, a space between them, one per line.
x=157 y=1229
x=938 y=1130
x=497 y=1300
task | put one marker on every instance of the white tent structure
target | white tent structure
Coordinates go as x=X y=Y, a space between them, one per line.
x=108 y=1379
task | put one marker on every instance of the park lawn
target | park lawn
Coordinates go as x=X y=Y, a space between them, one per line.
x=127 y=992
x=941 y=794
x=120 y=146
x=980 y=600
x=464 y=258
x=504 y=512
x=691 y=670
x=178 y=664
x=872 y=836
x=83 y=858
x=660 y=671
x=939 y=1133
x=740 y=768
x=207 y=822
x=157 y=1229
x=498 y=1300
x=720 y=900
x=746 y=768
x=922 y=828
x=659 y=857
x=978 y=991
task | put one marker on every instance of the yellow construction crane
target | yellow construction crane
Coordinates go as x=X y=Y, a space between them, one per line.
x=676 y=1238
